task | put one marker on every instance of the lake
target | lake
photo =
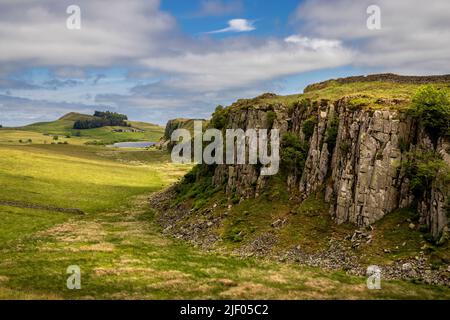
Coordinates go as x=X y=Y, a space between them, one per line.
x=139 y=144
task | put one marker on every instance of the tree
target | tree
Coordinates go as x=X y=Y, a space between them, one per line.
x=219 y=118
x=431 y=107
x=293 y=153
x=308 y=127
x=102 y=119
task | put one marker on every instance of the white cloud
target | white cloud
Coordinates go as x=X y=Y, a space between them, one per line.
x=188 y=76
x=413 y=37
x=237 y=25
x=36 y=33
x=243 y=63
x=313 y=43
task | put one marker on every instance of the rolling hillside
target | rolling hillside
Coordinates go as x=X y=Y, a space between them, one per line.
x=104 y=135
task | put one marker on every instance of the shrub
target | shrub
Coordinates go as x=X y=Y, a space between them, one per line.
x=219 y=118
x=422 y=168
x=331 y=134
x=308 y=127
x=431 y=107
x=30 y=141
x=55 y=138
x=293 y=153
x=235 y=234
x=271 y=116
x=20 y=141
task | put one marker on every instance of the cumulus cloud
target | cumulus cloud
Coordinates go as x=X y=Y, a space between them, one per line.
x=315 y=44
x=174 y=74
x=413 y=37
x=245 y=63
x=115 y=30
x=236 y=25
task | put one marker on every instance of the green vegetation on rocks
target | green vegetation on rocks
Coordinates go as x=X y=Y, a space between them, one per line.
x=293 y=153
x=308 y=127
x=422 y=168
x=219 y=118
x=431 y=107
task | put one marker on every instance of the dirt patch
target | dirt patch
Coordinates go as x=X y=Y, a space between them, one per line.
x=248 y=290
x=101 y=247
x=321 y=285
x=80 y=231
x=225 y=282
x=120 y=271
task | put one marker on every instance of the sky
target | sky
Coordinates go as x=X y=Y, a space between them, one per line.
x=157 y=60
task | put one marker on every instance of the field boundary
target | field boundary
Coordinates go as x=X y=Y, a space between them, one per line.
x=40 y=207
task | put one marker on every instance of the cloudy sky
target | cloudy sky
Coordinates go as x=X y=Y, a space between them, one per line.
x=156 y=60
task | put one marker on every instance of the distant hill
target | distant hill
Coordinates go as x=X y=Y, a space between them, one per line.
x=75 y=116
x=139 y=131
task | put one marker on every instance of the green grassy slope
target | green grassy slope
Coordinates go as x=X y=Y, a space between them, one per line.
x=375 y=94
x=118 y=246
x=104 y=135
x=71 y=176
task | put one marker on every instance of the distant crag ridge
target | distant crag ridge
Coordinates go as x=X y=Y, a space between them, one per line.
x=383 y=77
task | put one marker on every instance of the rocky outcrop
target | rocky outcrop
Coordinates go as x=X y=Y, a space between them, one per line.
x=359 y=171
x=434 y=206
x=171 y=126
x=384 y=77
x=366 y=181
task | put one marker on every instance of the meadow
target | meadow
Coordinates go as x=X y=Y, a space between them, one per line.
x=63 y=128
x=117 y=244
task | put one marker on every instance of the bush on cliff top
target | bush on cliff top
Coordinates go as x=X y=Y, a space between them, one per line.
x=219 y=118
x=431 y=107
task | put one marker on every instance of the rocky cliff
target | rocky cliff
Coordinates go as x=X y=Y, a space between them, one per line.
x=171 y=126
x=359 y=169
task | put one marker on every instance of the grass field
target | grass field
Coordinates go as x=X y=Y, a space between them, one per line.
x=369 y=94
x=44 y=132
x=117 y=244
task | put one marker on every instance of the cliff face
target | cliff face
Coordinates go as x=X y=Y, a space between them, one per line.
x=173 y=125
x=359 y=171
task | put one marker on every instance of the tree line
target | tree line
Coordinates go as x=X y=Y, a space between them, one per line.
x=102 y=119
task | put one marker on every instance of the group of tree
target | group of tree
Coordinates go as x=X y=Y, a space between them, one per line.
x=102 y=119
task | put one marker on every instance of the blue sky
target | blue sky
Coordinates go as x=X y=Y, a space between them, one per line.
x=156 y=60
x=270 y=16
